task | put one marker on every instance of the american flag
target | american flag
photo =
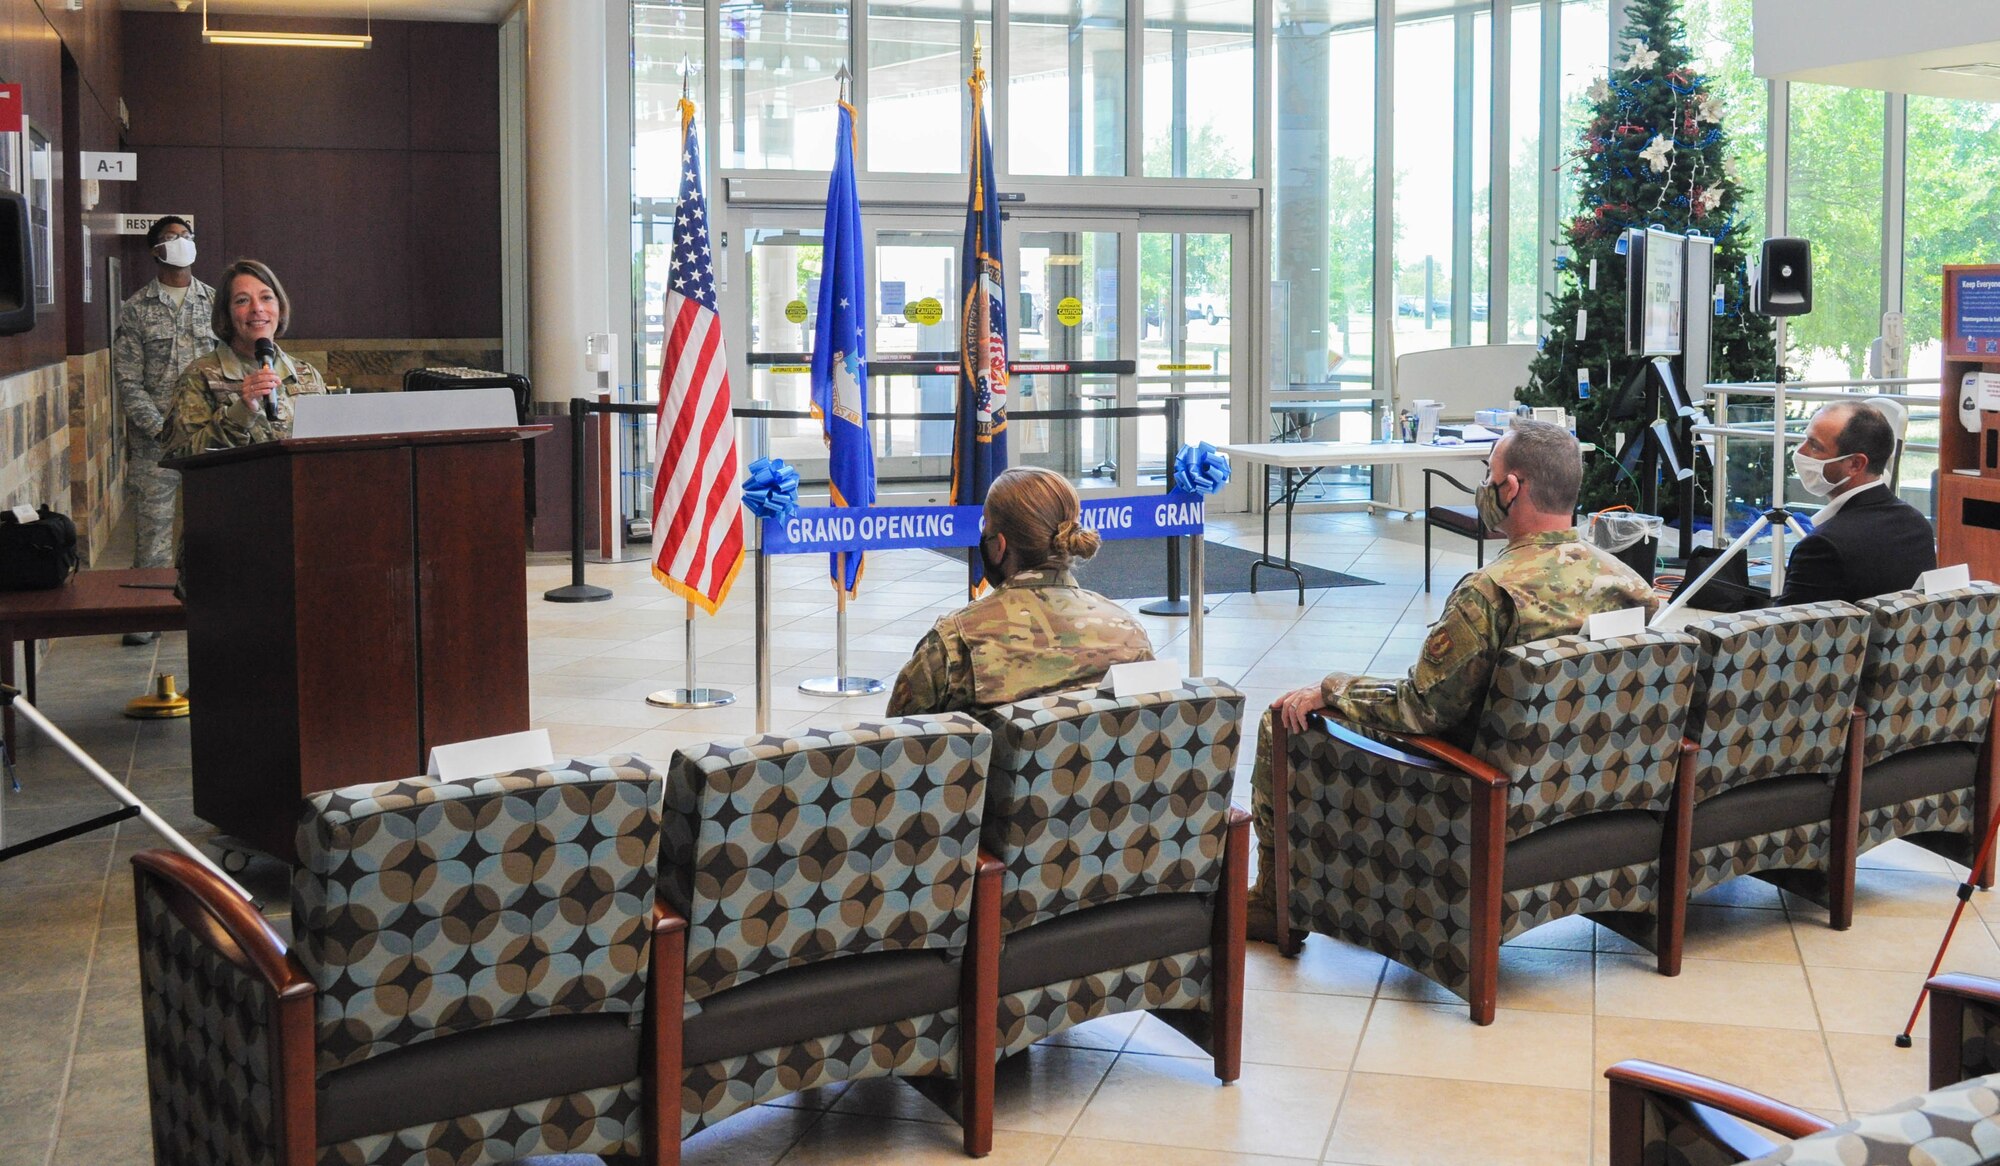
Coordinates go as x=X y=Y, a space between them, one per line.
x=697 y=524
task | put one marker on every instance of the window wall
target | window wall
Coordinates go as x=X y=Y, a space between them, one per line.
x=1951 y=209
x=1375 y=169
x=1833 y=186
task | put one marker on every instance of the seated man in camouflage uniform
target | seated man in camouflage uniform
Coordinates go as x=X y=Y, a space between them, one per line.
x=1546 y=583
x=1038 y=632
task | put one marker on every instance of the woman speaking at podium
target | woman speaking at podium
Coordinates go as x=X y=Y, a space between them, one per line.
x=241 y=393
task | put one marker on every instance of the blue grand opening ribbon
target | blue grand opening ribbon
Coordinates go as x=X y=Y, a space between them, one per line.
x=1199 y=469
x=772 y=490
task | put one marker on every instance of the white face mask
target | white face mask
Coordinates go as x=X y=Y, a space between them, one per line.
x=177 y=251
x=1812 y=474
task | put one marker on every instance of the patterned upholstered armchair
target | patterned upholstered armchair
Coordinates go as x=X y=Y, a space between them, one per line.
x=1772 y=712
x=468 y=980
x=1433 y=855
x=1126 y=868
x=1667 y=1117
x=834 y=932
x=1929 y=682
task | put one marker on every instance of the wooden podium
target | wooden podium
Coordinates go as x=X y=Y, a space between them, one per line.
x=351 y=602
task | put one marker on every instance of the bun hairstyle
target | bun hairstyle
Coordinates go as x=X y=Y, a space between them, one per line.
x=1073 y=540
x=1037 y=511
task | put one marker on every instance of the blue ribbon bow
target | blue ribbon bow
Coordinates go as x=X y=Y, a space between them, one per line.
x=772 y=490
x=1198 y=469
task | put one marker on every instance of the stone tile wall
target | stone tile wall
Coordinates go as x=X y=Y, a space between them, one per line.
x=35 y=438
x=377 y=366
x=96 y=457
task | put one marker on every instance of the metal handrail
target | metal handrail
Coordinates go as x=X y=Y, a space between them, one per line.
x=1780 y=393
x=1825 y=395
x=1857 y=382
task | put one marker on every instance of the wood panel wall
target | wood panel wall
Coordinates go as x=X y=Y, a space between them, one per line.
x=369 y=180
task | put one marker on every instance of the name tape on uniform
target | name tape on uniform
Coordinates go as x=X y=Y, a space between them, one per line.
x=831 y=529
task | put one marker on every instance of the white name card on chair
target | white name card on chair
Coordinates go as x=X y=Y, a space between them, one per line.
x=1609 y=625
x=1144 y=676
x=1945 y=579
x=461 y=760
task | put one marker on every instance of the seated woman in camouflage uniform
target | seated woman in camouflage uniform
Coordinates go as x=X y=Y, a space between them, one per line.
x=1037 y=632
x=229 y=397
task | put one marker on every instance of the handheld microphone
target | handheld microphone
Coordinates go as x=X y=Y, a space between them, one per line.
x=267 y=355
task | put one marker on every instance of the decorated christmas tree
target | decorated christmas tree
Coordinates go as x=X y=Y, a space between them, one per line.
x=1654 y=154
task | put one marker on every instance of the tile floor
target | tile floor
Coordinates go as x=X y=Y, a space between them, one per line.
x=1349 y=1059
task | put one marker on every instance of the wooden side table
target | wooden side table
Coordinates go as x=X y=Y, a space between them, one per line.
x=95 y=603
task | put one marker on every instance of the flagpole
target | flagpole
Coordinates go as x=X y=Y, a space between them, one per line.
x=693 y=696
x=841 y=683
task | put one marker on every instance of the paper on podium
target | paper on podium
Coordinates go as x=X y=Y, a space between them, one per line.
x=373 y=414
x=462 y=760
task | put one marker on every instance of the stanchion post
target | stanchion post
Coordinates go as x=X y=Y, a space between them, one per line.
x=577 y=591
x=1173 y=604
x=1195 y=605
x=608 y=539
x=760 y=447
x=763 y=640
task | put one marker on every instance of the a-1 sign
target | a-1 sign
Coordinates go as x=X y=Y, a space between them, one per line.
x=106 y=167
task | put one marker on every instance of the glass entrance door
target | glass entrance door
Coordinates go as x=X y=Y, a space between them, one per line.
x=1103 y=311
x=1065 y=318
x=1190 y=283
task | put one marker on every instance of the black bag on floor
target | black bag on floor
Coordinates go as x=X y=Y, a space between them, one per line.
x=39 y=555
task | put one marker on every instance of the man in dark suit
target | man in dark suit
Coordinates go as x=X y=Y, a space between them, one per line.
x=1865 y=541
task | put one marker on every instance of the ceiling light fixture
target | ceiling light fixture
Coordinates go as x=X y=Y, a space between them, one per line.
x=297 y=40
x=1971 y=69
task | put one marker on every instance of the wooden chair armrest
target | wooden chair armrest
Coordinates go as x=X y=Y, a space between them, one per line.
x=1966 y=987
x=667 y=919
x=1437 y=750
x=214 y=911
x=1662 y=1081
x=1430 y=753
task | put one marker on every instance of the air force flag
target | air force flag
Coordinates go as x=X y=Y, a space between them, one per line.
x=840 y=359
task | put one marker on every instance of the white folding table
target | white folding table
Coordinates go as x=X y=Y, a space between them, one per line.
x=1292 y=457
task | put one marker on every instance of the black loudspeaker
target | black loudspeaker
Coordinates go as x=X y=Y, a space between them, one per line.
x=1784 y=278
x=17 y=267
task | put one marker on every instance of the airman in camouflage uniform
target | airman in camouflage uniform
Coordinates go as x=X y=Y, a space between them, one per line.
x=1545 y=584
x=156 y=339
x=1037 y=633
x=208 y=409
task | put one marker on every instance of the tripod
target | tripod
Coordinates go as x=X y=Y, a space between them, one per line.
x=1764 y=522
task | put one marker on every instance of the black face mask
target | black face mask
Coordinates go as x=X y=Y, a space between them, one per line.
x=995 y=574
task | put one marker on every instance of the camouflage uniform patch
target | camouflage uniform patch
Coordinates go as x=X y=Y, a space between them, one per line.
x=1540 y=587
x=155 y=340
x=1037 y=633
x=208 y=410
